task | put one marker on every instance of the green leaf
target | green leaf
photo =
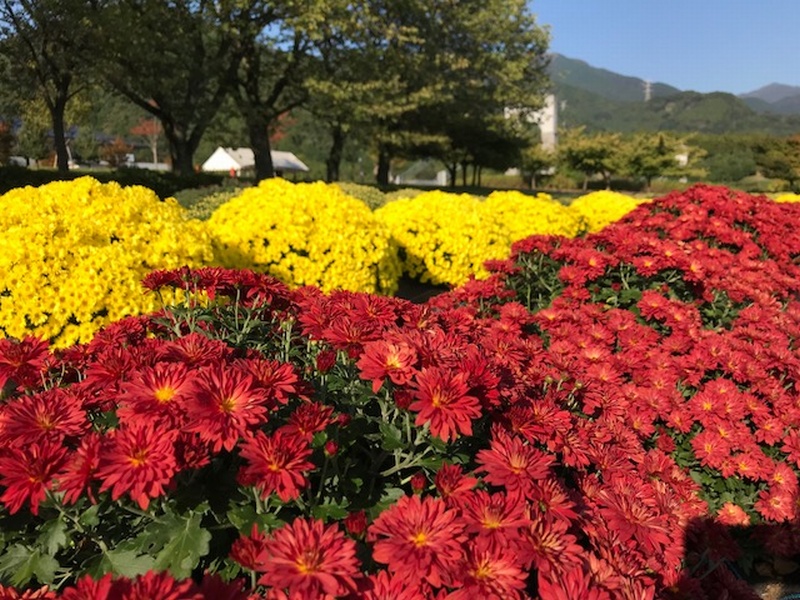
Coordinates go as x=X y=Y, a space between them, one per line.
x=122 y=561
x=53 y=535
x=391 y=437
x=330 y=510
x=243 y=517
x=389 y=497
x=177 y=541
x=18 y=565
x=89 y=517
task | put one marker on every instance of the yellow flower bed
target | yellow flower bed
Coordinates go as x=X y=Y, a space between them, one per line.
x=73 y=253
x=523 y=215
x=599 y=209
x=306 y=234
x=444 y=237
x=788 y=198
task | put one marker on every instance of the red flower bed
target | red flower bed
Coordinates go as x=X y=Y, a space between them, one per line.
x=615 y=416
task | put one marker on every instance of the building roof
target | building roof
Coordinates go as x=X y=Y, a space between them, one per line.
x=225 y=159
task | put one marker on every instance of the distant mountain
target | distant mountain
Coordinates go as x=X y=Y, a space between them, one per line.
x=603 y=100
x=775 y=98
x=774 y=92
x=577 y=73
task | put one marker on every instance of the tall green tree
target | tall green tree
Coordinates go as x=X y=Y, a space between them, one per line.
x=470 y=61
x=172 y=59
x=45 y=42
x=272 y=42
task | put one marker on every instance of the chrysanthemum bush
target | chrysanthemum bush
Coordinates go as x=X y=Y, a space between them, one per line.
x=444 y=238
x=523 y=215
x=613 y=416
x=599 y=209
x=72 y=255
x=306 y=234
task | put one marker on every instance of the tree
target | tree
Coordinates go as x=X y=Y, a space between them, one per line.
x=174 y=60
x=595 y=154
x=45 y=40
x=779 y=158
x=150 y=130
x=470 y=61
x=536 y=162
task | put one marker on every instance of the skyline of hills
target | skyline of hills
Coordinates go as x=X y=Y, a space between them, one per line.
x=603 y=100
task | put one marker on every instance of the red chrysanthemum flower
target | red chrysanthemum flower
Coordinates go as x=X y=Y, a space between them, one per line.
x=732 y=514
x=490 y=572
x=381 y=359
x=88 y=588
x=50 y=415
x=224 y=405
x=161 y=585
x=631 y=514
x=497 y=517
x=250 y=550
x=384 y=586
x=28 y=472
x=309 y=418
x=79 y=471
x=310 y=559
x=276 y=463
x=550 y=546
x=452 y=484
x=442 y=399
x=420 y=539
x=572 y=585
x=138 y=460
x=196 y=350
x=22 y=361
x=512 y=463
x=278 y=380
x=43 y=593
x=776 y=504
x=157 y=393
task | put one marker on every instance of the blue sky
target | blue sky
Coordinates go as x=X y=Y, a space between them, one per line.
x=704 y=45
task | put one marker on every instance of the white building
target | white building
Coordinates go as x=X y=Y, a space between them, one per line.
x=223 y=160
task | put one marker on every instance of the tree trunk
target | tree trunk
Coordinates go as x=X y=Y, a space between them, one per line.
x=181 y=149
x=334 y=160
x=182 y=155
x=585 y=182
x=384 y=165
x=59 y=133
x=258 y=133
x=452 y=172
x=464 y=173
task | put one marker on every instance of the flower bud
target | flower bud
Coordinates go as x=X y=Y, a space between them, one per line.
x=331 y=448
x=419 y=482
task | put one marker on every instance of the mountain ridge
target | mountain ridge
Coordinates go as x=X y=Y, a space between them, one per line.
x=603 y=100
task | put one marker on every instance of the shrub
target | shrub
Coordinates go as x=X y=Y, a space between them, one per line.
x=369 y=195
x=73 y=254
x=306 y=234
x=523 y=215
x=445 y=238
x=599 y=209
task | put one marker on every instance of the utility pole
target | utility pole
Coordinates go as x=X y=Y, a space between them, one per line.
x=648 y=90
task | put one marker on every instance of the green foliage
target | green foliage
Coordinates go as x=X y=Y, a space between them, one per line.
x=164 y=184
x=369 y=195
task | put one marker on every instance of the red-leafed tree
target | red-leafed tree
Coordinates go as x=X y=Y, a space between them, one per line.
x=150 y=130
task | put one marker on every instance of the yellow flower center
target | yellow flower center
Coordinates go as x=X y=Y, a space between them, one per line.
x=164 y=394
x=420 y=539
x=138 y=457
